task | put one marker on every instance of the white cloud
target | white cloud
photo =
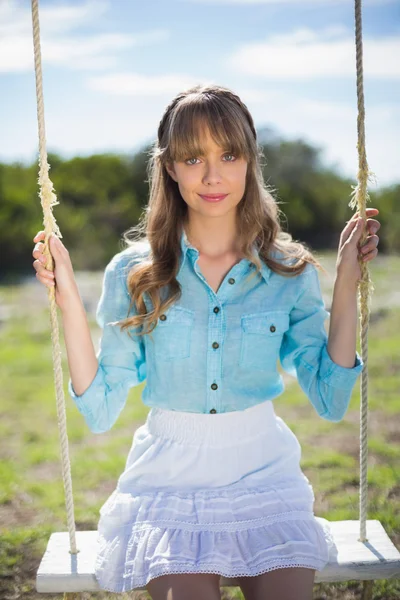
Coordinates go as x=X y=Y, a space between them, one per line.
x=307 y=54
x=303 y=54
x=61 y=44
x=16 y=17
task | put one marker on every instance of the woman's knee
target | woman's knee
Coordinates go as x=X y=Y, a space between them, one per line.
x=181 y=586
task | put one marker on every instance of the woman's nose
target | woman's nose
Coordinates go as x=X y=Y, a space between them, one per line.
x=211 y=175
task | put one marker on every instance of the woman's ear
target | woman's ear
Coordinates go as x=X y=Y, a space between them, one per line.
x=171 y=171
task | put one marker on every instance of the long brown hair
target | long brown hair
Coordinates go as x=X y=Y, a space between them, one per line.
x=179 y=137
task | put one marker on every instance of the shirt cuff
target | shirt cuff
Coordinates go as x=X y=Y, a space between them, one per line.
x=83 y=401
x=337 y=376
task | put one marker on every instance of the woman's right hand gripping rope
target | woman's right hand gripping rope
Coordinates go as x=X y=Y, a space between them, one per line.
x=62 y=276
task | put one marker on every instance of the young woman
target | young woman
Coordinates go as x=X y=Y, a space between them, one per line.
x=206 y=297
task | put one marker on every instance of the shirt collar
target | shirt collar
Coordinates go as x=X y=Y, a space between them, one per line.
x=187 y=247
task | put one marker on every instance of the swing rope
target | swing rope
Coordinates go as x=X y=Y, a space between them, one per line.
x=359 y=197
x=49 y=199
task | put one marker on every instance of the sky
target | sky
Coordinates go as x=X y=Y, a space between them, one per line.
x=110 y=67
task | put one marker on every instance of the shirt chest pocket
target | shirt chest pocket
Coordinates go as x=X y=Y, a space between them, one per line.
x=173 y=334
x=261 y=340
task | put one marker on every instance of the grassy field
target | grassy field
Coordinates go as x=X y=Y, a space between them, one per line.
x=32 y=502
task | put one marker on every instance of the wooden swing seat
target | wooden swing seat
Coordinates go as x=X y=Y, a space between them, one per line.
x=378 y=558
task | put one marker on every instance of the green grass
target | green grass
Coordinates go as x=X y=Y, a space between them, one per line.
x=32 y=503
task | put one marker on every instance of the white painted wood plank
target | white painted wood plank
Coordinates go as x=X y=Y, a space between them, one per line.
x=60 y=571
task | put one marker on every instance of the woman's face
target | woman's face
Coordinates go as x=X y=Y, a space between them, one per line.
x=217 y=172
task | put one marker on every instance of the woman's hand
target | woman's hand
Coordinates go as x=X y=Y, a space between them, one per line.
x=62 y=276
x=347 y=265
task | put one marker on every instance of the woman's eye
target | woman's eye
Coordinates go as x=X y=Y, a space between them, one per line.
x=189 y=164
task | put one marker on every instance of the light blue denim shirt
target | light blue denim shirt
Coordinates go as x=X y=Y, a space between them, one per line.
x=215 y=352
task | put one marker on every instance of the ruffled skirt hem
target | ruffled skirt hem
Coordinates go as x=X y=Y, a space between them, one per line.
x=132 y=583
x=129 y=557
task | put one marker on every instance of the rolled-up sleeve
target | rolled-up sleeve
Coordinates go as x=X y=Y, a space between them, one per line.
x=304 y=353
x=121 y=358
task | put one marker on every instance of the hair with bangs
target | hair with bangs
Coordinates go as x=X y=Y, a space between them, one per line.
x=186 y=131
x=180 y=137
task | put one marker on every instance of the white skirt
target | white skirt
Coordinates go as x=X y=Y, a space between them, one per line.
x=210 y=493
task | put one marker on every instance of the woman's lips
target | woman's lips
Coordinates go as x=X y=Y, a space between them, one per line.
x=213 y=198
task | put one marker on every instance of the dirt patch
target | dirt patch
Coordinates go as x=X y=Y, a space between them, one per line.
x=20 y=511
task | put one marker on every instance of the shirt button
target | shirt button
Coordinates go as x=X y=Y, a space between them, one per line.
x=231 y=280
x=215 y=345
x=213 y=411
x=163 y=317
x=214 y=386
x=272 y=328
x=216 y=309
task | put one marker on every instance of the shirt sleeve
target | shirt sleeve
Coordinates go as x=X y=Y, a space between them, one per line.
x=121 y=358
x=304 y=353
